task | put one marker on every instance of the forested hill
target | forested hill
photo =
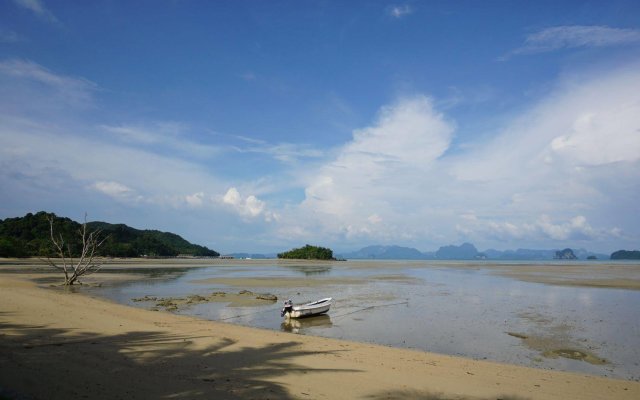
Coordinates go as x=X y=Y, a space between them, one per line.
x=29 y=236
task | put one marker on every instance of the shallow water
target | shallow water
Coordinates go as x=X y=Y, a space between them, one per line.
x=468 y=311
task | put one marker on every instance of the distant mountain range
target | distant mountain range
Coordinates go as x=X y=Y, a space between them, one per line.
x=465 y=251
x=386 y=253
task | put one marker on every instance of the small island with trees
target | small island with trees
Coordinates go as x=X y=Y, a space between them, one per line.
x=308 y=252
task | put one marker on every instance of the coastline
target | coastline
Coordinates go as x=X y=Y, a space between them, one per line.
x=610 y=274
x=62 y=345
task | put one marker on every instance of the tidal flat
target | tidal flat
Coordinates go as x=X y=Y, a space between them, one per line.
x=570 y=316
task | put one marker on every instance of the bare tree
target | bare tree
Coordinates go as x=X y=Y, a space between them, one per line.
x=85 y=263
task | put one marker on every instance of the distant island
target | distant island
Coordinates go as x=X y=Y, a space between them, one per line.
x=308 y=252
x=566 y=254
x=626 y=255
x=29 y=236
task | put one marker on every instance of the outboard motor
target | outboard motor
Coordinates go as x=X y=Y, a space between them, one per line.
x=288 y=308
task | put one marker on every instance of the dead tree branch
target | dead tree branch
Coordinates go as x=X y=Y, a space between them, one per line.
x=85 y=263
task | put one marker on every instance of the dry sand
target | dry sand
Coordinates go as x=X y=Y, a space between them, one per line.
x=59 y=345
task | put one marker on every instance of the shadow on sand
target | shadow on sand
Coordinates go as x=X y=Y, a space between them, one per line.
x=423 y=395
x=44 y=363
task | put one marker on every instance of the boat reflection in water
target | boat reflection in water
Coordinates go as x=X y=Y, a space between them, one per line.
x=299 y=325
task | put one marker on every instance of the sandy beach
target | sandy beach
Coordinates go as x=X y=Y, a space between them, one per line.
x=61 y=345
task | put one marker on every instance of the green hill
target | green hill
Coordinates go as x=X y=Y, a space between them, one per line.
x=29 y=236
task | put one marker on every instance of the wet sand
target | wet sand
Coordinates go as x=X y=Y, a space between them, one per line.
x=576 y=273
x=63 y=345
x=602 y=275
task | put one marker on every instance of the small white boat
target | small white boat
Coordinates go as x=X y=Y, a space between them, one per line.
x=306 y=310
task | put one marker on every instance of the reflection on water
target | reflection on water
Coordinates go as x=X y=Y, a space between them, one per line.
x=310 y=270
x=465 y=311
x=299 y=325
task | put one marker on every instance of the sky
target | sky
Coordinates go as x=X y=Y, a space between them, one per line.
x=260 y=126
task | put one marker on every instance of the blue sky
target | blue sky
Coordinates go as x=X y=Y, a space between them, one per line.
x=261 y=126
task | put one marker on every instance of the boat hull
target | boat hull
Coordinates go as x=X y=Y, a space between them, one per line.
x=308 y=310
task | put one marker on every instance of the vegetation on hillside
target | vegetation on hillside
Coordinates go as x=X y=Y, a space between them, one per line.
x=626 y=255
x=29 y=236
x=308 y=252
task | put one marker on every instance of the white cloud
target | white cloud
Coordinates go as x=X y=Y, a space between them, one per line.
x=399 y=11
x=571 y=158
x=195 y=199
x=560 y=37
x=506 y=230
x=576 y=151
x=47 y=152
x=586 y=122
x=543 y=229
x=374 y=219
x=171 y=136
x=576 y=228
x=608 y=135
x=232 y=197
x=565 y=169
x=381 y=169
x=284 y=152
x=158 y=158
x=249 y=206
x=38 y=8
x=66 y=90
x=253 y=206
x=113 y=189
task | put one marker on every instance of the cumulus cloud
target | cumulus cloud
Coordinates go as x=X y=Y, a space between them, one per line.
x=576 y=228
x=575 y=151
x=375 y=174
x=113 y=189
x=571 y=158
x=574 y=36
x=117 y=191
x=195 y=199
x=249 y=206
x=582 y=122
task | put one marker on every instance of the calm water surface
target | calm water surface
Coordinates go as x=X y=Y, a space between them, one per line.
x=442 y=309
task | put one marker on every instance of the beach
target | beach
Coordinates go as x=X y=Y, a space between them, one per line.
x=58 y=344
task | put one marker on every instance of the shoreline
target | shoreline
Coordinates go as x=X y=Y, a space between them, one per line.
x=611 y=274
x=117 y=351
